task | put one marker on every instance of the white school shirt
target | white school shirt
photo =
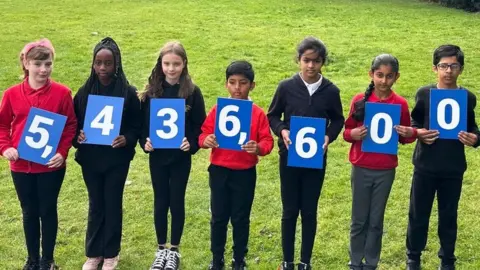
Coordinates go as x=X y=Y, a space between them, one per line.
x=314 y=86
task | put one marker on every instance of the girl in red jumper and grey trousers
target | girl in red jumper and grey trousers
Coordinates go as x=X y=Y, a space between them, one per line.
x=232 y=173
x=372 y=173
x=37 y=185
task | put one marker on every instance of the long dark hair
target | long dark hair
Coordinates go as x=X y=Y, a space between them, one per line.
x=379 y=60
x=154 y=87
x=91 y=86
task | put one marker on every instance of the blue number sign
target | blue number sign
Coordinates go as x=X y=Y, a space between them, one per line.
x=167 y=122
x=102 y=119
x=448 y=112
x=232 y=125
x=41 y=135
x=380 y=120
x=308 y=136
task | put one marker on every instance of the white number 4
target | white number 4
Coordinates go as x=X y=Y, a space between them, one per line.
x=106 y=113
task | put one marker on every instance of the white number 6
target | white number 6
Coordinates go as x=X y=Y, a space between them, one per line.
x=300 y=140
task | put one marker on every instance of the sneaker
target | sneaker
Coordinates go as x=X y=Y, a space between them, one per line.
x=239 y=265
x=286 y=266
x=110 y=263
x=31 y=264
x=217 y=265
x=47 y=265
x=413 y=265
x=173 y=260
x=92 y=263
x=304 y=266
x=160 y=259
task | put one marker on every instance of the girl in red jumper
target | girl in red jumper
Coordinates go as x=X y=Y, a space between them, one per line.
x=37 y=185
x=372 y=173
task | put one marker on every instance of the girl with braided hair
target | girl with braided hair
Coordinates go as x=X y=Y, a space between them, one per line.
x=105 y=168
x=372 y=173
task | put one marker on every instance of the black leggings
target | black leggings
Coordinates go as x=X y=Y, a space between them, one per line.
x=300 y=190
x=38 y=195
x=169 y=185
x=105 y=194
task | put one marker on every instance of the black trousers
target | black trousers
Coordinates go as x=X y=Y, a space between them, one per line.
x=232 y=193
x=169 y=185
x=422 y=194
x=105 y=195
x=300 y=190
x=38 y=196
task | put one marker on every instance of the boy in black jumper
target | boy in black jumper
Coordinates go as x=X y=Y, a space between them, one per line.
x=439 y=165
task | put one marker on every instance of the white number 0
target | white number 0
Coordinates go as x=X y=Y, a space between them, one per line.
x=223 y=118
x=106 y=113
x=168 y=123
x=44 y=136
x=300 y=140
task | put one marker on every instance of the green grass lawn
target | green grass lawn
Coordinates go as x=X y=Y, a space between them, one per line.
x=264 y=32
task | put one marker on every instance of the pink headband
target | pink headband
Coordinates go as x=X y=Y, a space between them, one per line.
x=39 y=43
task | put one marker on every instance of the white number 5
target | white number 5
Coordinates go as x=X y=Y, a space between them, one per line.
x=300 y=140
x=44 y=136
x=168 y=123
x=106 y=113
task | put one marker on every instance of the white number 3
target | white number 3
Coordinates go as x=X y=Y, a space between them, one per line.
x=168 y=123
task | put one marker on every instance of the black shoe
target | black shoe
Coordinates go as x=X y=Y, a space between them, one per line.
x=304 y=266
x=447 y=267
x=413 y=265
x=31 y=264
x=286 y=266
x=217 y=264
x=239 y=265
x=47 y=265
x=173 y=260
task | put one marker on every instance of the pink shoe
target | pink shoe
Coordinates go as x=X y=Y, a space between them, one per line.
x=92 y=263
x=110 y=263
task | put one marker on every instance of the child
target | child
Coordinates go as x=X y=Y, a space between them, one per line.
x=37 y=185
x=439 y=164
x=372 y=173
x=232 y=173
x=310 y=94
x=170 y=168
x=105 y=168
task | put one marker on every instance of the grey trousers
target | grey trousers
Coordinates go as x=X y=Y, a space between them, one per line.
x=370 y=191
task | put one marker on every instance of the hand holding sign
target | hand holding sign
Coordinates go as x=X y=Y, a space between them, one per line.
x=286 y=138
x=468 y=138
x=251 y=147
x=11 y=154
x=359 y=133
x=232 y=125
x=40 y=137
x=448 y=112
x=427 y=136
x=210 y=141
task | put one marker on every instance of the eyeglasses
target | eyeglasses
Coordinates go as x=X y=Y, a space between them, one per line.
x=445 y=66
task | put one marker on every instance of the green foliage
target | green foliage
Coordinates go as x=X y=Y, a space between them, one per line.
x=264 y=32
